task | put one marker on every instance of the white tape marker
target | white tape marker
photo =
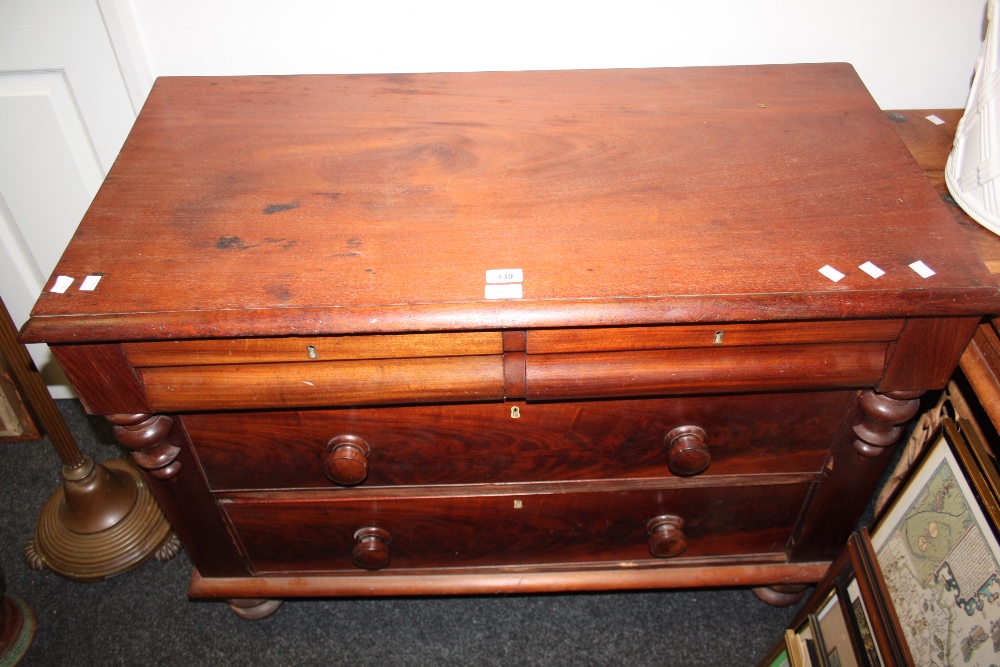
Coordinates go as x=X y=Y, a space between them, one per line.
x=832 y=273
x=872 y=270
x=89 y=283
x=934 y=119
x=62 y=284
x=499 y=276
x=511 y=291
x=922 y=269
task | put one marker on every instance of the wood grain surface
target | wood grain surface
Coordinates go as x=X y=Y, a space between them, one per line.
x=363 y=382
x=462 y=528
x=482 y=443
x=930 y=144
x=298 y=205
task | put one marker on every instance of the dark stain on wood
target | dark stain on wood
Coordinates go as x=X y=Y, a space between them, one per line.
x=231 y=243
x=280 y=292
x=237 y=243
x=279 y=208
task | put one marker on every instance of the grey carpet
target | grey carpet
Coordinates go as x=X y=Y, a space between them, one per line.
x=144 y=618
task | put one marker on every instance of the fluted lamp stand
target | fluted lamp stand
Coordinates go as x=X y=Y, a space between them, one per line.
x=103 y=520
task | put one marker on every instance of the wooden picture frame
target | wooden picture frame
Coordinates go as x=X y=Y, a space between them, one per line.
x=923 y=586
x=779 y=655
x=834 y=628
x=840 y=618
x=17 y=423
x=936 y=552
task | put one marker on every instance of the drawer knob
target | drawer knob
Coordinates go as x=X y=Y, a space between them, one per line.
x=347 y=460
x=687 y=453
x=371 y=548
x=666 y=539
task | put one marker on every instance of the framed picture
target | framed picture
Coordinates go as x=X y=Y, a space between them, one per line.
x=16 y=420
x=840 y=624
x=778 y=655
x=808 y=646
x=937 y=552
x=861 y=625
x=837 y=637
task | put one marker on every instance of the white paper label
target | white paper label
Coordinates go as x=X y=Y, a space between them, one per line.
x=934 y=119
x=922 y=269
x=89 y=283
x=832 y=273
x=499 y=276
x=62 y=284
x=872 y=270
x=510 y=291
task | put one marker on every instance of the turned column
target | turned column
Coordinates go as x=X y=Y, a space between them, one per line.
x=882 y=418
x=147 y=437
x=884 y=415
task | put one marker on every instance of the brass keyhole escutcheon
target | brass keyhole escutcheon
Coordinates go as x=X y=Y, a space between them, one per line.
x=515 y=412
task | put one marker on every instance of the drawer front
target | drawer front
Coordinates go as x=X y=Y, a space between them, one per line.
x=324 y=532
x=209 y=352
x=719 y=335
x=356 y=382
x=703 y=370
x=537 y=365
x=483 y=443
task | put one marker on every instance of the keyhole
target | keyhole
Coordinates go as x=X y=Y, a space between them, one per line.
x=515 y=412
x=718 y=338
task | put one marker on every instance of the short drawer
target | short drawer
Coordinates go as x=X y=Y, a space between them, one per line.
x=718 y=335
x=505 y=526
x=504 y=442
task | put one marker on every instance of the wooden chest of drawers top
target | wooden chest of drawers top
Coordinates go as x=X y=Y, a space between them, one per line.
x=290 y=324
x=317 y=205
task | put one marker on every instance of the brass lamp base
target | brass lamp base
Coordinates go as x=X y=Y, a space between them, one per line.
x=101 y=522
x=17 y=629
x=17 y=626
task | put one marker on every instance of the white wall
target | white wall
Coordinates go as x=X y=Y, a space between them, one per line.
x=910 y=53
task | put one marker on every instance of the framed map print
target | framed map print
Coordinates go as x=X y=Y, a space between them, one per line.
x=936 y=547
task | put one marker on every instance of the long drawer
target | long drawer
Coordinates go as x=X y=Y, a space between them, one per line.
x=503 y=442
x=515 y=525
x=537 y=365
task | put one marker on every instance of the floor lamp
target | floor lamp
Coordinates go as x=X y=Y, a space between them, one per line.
x=103 y=520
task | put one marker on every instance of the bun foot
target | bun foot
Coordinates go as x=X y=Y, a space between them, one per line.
x=782 y=595
x=254 y=609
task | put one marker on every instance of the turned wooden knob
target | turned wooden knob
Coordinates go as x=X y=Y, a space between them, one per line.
x=687 y=453
x=371 y=548
x=666 y=539
x=347 y=460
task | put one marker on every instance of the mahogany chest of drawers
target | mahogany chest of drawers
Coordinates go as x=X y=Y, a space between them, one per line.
x=495 y=332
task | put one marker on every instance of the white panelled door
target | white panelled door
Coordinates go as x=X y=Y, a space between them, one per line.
x=64 y=113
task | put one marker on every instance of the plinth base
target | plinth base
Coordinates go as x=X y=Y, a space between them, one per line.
x=141 y=534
